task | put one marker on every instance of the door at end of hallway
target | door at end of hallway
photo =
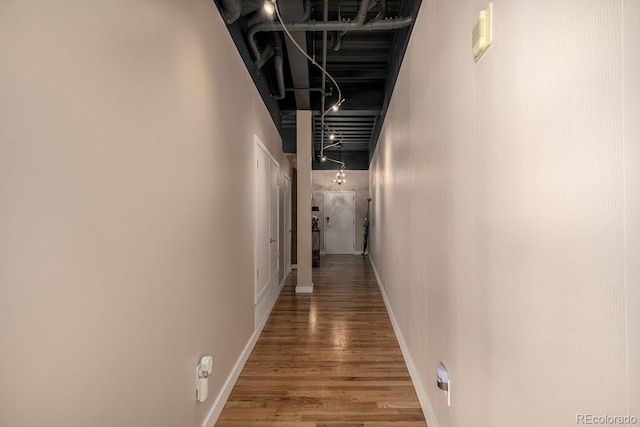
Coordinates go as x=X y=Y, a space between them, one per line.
x=339 y=222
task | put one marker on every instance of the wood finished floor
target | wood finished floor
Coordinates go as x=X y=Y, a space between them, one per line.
x=329 y=359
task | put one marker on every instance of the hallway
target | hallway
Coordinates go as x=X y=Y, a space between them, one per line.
x=330 y=358
x=504 y=220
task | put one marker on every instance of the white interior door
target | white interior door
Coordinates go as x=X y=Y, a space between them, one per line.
x=287 y=225
x=266 y=221
x=262 y=243
x=339 y=222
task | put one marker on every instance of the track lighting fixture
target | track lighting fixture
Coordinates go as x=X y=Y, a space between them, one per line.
x=335 y=107
x=269 y=8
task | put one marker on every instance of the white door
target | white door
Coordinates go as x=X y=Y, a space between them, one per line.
x=266 y=221
x=339 y=222
x=274 y=210
x=287 y=225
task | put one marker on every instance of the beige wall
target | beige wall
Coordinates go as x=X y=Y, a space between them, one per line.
x=632 y=194
x=499 y=213
x=357 y=181
x=126 y=197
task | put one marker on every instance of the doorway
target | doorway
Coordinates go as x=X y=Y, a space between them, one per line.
x=339 y=222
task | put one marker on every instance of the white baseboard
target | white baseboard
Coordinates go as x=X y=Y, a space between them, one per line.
x=294 y=266
x=222 y=397
x=427 y=409
x=354 y=252
x=304 y=289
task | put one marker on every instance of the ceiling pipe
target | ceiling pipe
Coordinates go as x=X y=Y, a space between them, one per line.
x=267 y=53
x=357 y=25
x=278 y=61
x=338 y=42
x=279 y=65
x=230 y=10
x=307 y=11
x=308 y=89
x=382 y=12
x=387 y=24
x=382 y=4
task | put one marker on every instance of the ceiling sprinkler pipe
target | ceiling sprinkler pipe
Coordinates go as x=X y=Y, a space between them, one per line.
x=382 y=12
x=387 y=24
x=307 y=11
x=338 y=43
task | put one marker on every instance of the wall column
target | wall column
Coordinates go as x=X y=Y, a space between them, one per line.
x=304 y=150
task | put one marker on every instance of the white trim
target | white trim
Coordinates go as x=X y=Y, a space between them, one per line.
x=265 y=149
x=304 y=289
x=266 y=302
x=221 y=399
x=427 y=409
x=294 y=266
x=261 y=294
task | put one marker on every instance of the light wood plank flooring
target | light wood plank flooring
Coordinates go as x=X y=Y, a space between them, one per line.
x=327 y=359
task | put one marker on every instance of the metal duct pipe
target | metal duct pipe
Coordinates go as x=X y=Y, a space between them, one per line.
x=362 y=13
x=265 y=55
x=307 y=89
x=379 y=17
x=382 y=4
x=387 y=24
x=308 y=26
x=279 y=66
x=338 y=42
x=382 y=12
x=307 y=11
x=230 y=10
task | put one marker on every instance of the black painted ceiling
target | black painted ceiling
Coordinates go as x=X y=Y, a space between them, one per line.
x=365 y=65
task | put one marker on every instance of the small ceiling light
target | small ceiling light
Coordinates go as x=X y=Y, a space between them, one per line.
x=269 y=8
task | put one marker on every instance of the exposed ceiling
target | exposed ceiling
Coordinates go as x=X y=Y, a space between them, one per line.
x=362 y=48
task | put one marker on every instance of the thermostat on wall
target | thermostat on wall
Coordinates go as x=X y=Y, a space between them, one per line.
x=482 y=32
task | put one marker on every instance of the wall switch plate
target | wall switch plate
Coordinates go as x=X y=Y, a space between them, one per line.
x=482 y=34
